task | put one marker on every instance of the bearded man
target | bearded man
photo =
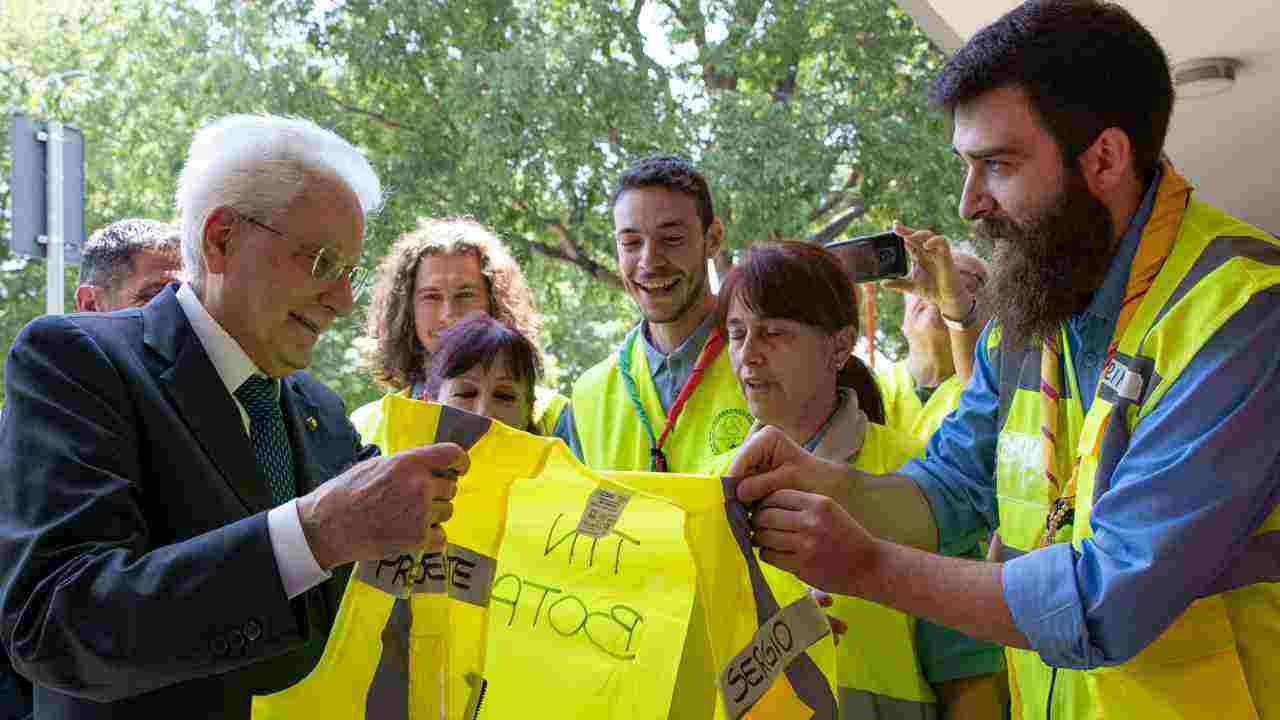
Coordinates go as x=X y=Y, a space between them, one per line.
x=1114 y=431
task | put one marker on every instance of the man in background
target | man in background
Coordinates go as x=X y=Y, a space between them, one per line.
x=127 y=263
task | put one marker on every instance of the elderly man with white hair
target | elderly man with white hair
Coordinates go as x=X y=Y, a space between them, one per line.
x=179 y=502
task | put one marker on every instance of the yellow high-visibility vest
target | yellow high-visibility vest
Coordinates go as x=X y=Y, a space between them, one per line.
x=572 y=580
x=903 y=409
x=715 y=419
x=1217 y=659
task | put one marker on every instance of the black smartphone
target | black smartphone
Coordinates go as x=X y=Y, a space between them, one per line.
x=872 y=257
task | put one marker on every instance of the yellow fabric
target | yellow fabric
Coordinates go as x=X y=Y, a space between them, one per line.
x=446 y=637
x=878 y=653
x=547 y=406
x=903 y=409
x=603 y=619
x=714 y=420
x=1217 y=659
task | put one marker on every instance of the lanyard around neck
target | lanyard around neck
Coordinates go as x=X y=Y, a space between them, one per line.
x=1154 y=248
x=657 y=460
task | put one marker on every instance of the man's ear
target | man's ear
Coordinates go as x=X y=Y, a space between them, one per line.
x=88 y=300
x=216 y=238
x=715 y=238
x=1108 y=164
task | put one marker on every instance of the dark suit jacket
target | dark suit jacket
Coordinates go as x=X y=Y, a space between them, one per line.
x=136 y=572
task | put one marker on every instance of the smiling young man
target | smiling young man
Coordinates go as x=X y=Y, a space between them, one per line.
x=1115 y=429
x=625 y=413
x=667 y=399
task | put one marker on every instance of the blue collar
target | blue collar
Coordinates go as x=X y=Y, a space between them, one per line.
x=683 y=357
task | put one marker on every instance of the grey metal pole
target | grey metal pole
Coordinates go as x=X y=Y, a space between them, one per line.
x=55 y=276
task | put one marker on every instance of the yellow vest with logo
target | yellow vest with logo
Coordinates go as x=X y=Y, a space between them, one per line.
x=1217 y=660
x=715 y=418
x=879 y=673
x=902 y=408
x=595 y=606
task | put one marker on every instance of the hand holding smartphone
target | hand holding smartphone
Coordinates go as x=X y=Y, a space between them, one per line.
x=872 y=257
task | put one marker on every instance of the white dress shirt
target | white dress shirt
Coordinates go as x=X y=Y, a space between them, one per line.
x=299 y=570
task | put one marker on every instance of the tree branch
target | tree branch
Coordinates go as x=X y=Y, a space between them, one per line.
x=586 y=264
x=834 y=200
x=837 y=226
x=635 y=42
x=383 y=119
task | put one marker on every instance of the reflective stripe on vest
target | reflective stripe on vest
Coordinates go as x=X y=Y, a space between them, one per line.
x=715 y=420
x=1216 y=660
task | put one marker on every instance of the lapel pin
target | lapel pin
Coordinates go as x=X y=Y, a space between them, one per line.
x=311 y=423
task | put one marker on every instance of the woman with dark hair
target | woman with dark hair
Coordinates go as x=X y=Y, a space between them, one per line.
x=791 y=319
x=488 y=368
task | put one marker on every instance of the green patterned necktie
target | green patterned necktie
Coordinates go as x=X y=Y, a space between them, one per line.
x=261 y=399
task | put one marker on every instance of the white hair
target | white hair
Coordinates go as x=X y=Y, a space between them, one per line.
x=258 y=164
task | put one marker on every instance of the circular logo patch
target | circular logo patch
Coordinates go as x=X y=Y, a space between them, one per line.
x=729 y=429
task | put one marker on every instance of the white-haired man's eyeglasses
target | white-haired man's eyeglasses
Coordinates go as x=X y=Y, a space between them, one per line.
x=324 y=267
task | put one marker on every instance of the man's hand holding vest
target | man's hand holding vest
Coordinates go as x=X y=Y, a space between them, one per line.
x=818 y=519
x=384 y=506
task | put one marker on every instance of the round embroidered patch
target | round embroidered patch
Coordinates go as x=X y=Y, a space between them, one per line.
x=729 y=429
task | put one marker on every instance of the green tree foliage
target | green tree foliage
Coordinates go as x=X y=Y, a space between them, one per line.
x=808 y=117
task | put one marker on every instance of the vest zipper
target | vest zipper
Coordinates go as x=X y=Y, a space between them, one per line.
x=484 y=685
x=1048 y=705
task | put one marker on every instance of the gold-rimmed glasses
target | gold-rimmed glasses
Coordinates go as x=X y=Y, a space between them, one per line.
x=323 y=266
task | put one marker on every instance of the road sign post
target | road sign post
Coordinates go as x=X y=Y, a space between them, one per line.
x=46 y=198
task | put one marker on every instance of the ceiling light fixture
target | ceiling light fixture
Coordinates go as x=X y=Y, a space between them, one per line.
x=1204 y=77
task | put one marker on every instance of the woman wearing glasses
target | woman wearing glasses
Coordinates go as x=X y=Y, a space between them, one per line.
x=432 y=277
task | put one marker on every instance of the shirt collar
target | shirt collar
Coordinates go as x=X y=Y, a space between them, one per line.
x=228 y=358
x=686 y=353
x=1110 y=295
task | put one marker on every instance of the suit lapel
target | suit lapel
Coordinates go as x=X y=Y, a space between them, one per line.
x=301 y=417
x=200 y=397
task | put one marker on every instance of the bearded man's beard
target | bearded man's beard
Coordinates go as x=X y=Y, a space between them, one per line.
x=1046 y=270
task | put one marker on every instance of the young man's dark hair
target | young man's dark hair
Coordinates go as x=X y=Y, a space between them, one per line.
x=672 y=173
x=1085 y=65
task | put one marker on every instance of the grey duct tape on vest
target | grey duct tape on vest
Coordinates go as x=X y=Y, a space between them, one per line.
x=802 y=672
x=388 y=697
x=463 y=573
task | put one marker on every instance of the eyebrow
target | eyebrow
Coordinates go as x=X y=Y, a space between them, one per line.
x=465 y=286
x=673 y=224
x=984 y=153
